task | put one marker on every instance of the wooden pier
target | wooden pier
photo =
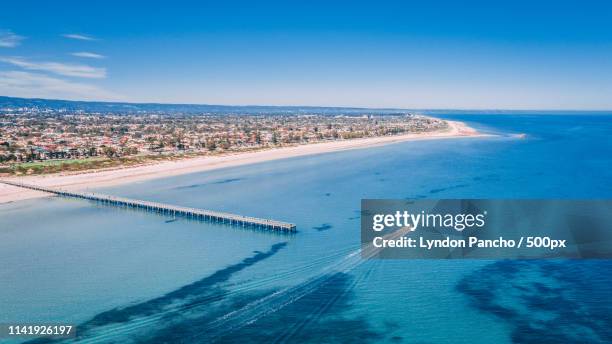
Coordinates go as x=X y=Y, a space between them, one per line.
x=191 y=213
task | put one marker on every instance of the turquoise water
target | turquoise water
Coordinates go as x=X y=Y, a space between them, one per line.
x=127 y=276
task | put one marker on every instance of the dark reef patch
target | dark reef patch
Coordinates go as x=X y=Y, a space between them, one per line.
x=458 y=186
x=184 y=299
x=364 y=212
x=317 y=317
x=191 y=314
x=323 y=227
x=411 y=199
x=194 y=289
x=222 y=181
x=546 y=301
x=488 y=177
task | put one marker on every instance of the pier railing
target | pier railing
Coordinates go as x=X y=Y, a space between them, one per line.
x=192 y=213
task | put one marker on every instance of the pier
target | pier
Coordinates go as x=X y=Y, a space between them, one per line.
x=161 y=208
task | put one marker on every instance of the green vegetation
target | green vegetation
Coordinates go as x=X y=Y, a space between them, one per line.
x=75 y=165
x=96 y=163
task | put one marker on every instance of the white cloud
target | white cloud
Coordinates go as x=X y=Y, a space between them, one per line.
x=79 y=37
x=88 y=55
x=82 y=71
x=9 y=40
x=35 y=85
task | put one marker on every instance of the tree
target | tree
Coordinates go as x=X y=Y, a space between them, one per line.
x=211 y=145
x=109 y=151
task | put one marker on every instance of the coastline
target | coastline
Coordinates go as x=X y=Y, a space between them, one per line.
x=111 y=177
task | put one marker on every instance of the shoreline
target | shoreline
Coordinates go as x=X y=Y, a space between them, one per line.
x=117 y=176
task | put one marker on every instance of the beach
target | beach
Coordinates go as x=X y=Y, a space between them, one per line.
x=110 y=177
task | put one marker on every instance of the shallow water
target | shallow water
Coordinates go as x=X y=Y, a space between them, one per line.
x=132 y=276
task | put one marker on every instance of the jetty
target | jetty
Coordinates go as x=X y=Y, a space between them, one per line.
x=167 y=209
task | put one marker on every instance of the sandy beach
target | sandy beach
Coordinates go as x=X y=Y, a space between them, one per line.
x=110 y=177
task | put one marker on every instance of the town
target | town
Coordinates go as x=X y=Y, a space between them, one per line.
x=35 y=140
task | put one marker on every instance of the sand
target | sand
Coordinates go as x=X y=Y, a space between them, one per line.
x=116 y=176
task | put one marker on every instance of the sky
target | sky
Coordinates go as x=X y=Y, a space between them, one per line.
x=383 y=54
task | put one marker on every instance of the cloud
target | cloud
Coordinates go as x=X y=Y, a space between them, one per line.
x=88 y=55
x=9 y=40
x=79 y=37
x=35 y=85
x=81 y=71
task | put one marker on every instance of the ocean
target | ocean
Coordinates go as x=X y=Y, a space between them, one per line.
x=127 y=276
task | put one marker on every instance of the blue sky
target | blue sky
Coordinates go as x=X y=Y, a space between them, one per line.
x=408 y=54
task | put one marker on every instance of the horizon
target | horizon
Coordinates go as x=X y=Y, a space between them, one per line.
x=606 y=111
x=505 y=57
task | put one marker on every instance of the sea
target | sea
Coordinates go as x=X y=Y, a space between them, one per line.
x=125 y=276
